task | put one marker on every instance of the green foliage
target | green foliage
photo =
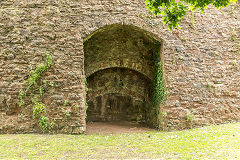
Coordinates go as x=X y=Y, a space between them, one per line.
x=21 y=103
x=66 y=102
x=34 y=76
x=38 y=107
x=51 y=125
x=172 y=11
x=35 y=89
x=86 y=107
x=44 y=83
x=43 y=123
x=86 y=89
x=67 y=114
x=51 y=84
x=164 y=114
x=41 y=90
x=189 y=117
x=160 y=92
x=36 y=73
x=76 y=106
x=192 y=20
x=21 y=96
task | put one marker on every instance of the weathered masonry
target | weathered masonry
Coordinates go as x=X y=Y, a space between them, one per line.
x=119 y=71
x=100 y=66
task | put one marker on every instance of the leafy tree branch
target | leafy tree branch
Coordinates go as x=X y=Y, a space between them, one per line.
x=172 y=11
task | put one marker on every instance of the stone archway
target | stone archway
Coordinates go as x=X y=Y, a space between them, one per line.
x=118 y=94
x=119 y=71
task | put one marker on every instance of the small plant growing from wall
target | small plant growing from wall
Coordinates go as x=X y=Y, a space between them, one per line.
x=44 y=124
x=20 y=97
x=67 y=114
x=36 y=86
x=38 y=107
x=86 y=107
x=76 y=106
x=66 y=102
x=189 y=118
x=164 y=114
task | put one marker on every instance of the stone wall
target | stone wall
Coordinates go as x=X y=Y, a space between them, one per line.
x=201 y=61
x=27 y=30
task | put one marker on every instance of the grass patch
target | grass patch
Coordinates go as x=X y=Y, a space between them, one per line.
x=212 y=142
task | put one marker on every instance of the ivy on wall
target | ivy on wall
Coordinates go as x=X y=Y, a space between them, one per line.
x=36 y=86
x=86 y=104
x=159 y=90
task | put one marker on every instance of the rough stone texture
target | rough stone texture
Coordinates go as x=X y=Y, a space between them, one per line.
x=27 y=30
x=201 y=61
x=118 y=94
x=119 y=46
x=119 y=71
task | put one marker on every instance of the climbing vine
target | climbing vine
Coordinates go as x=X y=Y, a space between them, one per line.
x=38 y=107
x=86 y=89
x=36 y=74
x=160 y=92
x=35 y=89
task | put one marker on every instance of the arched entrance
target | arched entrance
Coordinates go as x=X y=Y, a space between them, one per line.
x=118 y=94
x=119 y=68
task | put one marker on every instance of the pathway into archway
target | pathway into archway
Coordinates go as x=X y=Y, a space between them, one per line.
x=116 y=127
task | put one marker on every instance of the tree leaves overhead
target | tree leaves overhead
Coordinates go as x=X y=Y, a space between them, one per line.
x=172 y=11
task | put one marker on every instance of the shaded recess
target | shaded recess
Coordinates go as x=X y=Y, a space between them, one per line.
x=119 y=71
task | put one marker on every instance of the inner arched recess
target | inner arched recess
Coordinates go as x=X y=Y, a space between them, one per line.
x=119 y=72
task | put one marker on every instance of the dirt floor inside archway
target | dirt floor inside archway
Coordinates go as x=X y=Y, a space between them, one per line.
x=115 y=127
